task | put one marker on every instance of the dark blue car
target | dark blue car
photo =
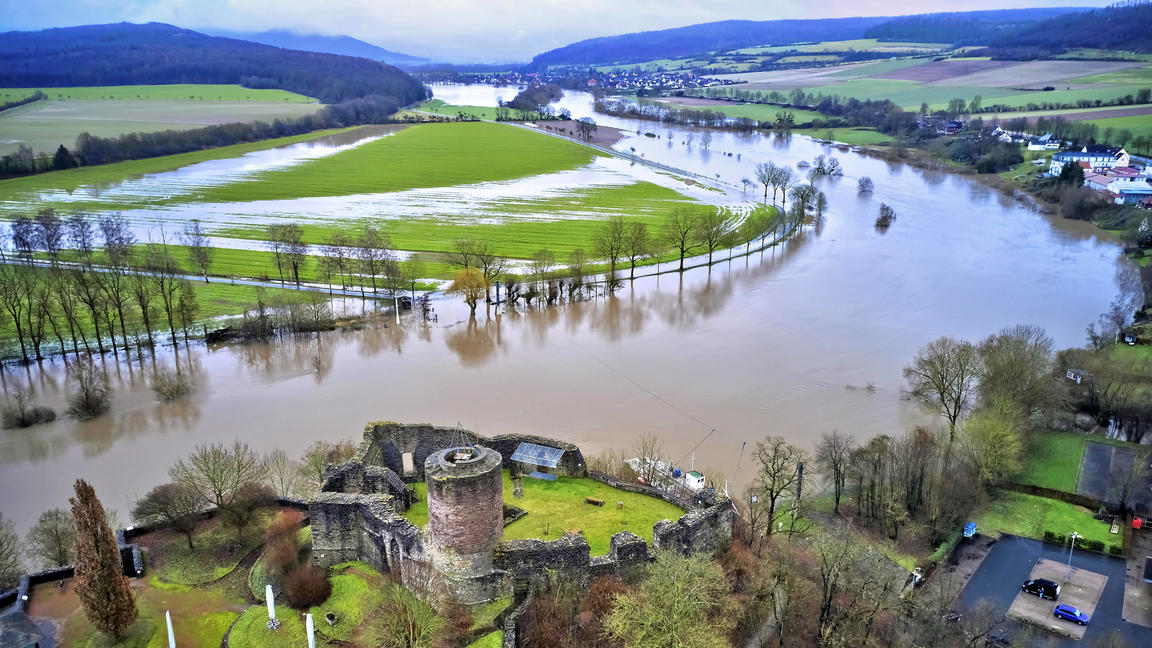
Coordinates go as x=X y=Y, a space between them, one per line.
x=1069 y=613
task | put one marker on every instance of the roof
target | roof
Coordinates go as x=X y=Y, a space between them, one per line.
x=537 y=455
x=18 y=631
x=696 y=474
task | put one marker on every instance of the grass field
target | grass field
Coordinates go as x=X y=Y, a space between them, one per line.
x=1053 y=461
x=760 y=112
x=859 y=45
x=438 y=107
x=16 y=190
x=1139 y=125
x=416 y=157
x=556 y=507
x=1030 y=516
x=169 y=92
x=45 y=125
x=851 y=136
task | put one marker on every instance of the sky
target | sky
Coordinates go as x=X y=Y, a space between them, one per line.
x=464 y=30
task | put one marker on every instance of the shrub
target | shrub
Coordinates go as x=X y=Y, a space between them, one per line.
x=307 y=587
x=283 y=552
x=1094 y=545
x=1116 y=550
x=19 y=411
x=170 y=385
x=1049 y=536
x=90 y=395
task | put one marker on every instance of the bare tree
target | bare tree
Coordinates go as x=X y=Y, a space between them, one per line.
x=542 y=263
x=943 y=377
x=50 y=235
x=637 y=245
x=164 y=273
x=649 y=449
x=679 y=232
x=14 y=299
x=143 y=294
x=373 y=252
x=713 y=230
x=865 y=185
x=177 y=505
x=832 y=455
x=295 y=249
x=412 y=271
x=463 y=254
x=785 y=179
x=10 y=564
x=490 y=264
x=275 y=245
x=778 y=473
x=283 y=473
x=611 y=242
x=316 y=459
x=217 y=472
x=766 y=174
x=89 y=394
x=1125 y=480
x=51 y=539
x=200 y=249
x=25 y=238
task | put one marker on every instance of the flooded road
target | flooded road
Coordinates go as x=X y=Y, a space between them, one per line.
x=781 y=342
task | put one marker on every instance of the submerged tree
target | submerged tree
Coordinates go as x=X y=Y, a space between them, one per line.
x=943 y=377
x=100 y=583
x=470 y=284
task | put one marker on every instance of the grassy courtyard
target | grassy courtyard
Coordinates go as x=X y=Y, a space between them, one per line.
x=557 y=507
x=1053 y=461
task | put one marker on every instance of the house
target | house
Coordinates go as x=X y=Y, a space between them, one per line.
x=593 y=83
x=1095 y=157
x=950 y=127
x=1131 y=192
x=1044 y=143
x=18 y=631
x=1098 y=181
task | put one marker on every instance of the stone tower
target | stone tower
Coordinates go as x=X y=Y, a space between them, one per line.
x=466 y=520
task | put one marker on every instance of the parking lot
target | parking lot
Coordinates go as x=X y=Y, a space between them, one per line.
x=1011 y=560
x=1102 y=467
x=1080 y=588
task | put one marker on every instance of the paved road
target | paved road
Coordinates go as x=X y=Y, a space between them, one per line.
x=1011 y=559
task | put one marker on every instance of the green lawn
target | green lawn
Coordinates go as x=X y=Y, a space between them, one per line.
x=217 y=550
x=175 y=91
x=1030 y=516
x=438 y=107
x=556 y=507
x=1053 y=461
x=490 y=640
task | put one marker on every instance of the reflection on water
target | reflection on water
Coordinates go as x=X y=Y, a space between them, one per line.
x=763 y=344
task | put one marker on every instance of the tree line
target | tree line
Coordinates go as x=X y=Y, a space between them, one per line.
x=16 y=103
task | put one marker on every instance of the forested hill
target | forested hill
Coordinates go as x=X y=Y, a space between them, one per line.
x=155 y=53
x=343 y=45
x=1119 y=27
x=968 y=27
x=697 y=39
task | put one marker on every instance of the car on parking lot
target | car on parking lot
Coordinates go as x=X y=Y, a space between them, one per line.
x=1043 y=588
x=1069 y=613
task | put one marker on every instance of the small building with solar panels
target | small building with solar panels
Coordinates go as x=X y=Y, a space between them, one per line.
x=537 y=460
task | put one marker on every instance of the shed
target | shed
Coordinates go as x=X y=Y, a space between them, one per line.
x=18 y=631
x=539 y=456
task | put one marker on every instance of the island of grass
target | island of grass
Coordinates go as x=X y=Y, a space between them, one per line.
x=557 y=507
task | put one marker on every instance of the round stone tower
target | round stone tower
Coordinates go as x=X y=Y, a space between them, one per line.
x=466 y=520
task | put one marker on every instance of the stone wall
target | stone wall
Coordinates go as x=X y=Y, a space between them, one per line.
x=352 y=526
x=702 y=530
x=385 y=444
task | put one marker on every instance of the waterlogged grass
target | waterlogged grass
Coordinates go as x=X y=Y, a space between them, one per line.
x=424 y=156
x=22 y=190
x=175 y=91
x=850 y=136
x=1030 y=516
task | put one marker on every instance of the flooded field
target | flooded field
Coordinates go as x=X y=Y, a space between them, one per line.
x=781 y=342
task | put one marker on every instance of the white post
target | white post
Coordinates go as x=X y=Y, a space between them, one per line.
x=271 y=602
x=311 y=631
x=171 y=637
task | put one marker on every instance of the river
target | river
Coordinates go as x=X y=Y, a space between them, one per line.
x=779 y=342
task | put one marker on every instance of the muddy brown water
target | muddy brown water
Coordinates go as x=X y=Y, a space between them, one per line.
x=780 y=342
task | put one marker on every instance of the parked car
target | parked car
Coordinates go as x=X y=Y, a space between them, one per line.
x=1043 y=588
x=1069 y=613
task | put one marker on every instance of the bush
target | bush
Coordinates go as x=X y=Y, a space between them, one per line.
x=1049 y=536
x=1094 y=545
x=283 y=552
x=170 y=385
x=90 y=395
x=19 y=411
x=307 y=587
x=1116 y=550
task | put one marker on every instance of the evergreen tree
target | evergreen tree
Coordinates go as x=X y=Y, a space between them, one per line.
x=63 y=159
x=100 y=582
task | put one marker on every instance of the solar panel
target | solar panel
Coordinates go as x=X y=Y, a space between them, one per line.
x=537 y=455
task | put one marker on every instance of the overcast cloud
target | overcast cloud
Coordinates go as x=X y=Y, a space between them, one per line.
x=463 y=30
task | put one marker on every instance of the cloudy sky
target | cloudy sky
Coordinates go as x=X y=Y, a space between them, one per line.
x=463 y=30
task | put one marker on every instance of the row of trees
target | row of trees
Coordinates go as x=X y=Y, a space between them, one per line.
x=58 y=287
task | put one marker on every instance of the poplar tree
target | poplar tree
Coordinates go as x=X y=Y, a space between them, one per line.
x=100 y=583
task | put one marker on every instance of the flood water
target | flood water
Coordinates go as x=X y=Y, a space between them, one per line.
x=780 y=342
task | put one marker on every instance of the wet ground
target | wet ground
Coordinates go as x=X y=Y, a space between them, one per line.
x=1107 y=470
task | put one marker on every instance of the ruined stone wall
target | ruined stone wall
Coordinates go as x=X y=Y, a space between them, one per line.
x=349 y=526
x=386 y=442
x=702 y=530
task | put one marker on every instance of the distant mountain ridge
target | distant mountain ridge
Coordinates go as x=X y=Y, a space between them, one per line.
x=1124 y=26
x=342 y=45
x=156 y=53
x=965 y=27
x=696 y=39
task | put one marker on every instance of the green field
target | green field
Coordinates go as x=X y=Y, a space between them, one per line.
x=1053 y=461
x=1137 y=124
x=1030 y=516
x=15 y=191
x=859 y=45
x=850 y=136
x=170 y=92
x=759 y=112
x=45 y=125
x=437 y=106
x=557 y=507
